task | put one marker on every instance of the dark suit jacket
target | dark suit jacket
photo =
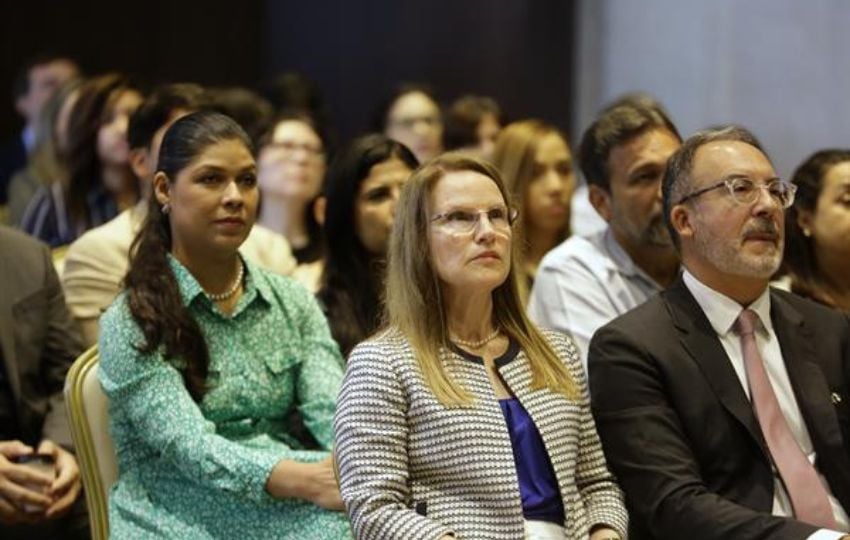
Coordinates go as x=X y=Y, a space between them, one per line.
x=38 y=338
x=679 y=431
x=13 y=157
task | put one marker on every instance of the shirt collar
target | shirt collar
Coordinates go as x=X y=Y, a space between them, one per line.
x=256 y=285
x=28 y=139
x=622 y=262
x=722 y=311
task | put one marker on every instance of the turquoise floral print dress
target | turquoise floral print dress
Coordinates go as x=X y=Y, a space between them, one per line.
x=192 y=470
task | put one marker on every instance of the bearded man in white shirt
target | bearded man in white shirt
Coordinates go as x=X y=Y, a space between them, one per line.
x=587 y=281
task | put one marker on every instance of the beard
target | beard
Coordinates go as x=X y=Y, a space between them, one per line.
x=730 y=257
x=656 y=233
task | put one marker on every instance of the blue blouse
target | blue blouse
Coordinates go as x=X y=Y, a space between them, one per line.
x=538 y=487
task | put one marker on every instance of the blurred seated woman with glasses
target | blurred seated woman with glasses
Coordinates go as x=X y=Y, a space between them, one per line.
x=205 y=356
x=817 y=229
x=411 y=115
x=291 y=166
x=462 y=419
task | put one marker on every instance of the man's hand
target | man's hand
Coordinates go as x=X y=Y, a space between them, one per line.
x=65 y=488
x=17 y=483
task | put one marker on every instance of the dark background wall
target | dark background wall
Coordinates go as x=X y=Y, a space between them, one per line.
x=518 y=52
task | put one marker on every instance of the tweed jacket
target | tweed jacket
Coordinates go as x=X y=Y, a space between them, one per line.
x=412 y=468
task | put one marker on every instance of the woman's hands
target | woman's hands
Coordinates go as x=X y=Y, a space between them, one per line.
x=314 y=482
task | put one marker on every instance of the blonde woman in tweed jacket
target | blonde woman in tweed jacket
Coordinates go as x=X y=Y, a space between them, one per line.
x=462 y=420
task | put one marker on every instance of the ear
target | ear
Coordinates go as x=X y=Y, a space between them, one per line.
x=22 y=106
x=161 y=188
x=138 y=159
x=601 y=201
x=682 y=221
x=804 y=220
x=319 y=209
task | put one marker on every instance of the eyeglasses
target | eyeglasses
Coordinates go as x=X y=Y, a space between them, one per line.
x=289 y=148
x=409 y=123
x=464 y=221
x=746 y=191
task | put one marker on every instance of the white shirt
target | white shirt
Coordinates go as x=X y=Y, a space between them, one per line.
x=584 y=283
x=722 y=312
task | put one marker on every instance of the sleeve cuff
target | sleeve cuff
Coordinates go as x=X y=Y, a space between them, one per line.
x=825 y=534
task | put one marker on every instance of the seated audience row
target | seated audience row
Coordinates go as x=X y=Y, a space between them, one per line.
x=720 y=403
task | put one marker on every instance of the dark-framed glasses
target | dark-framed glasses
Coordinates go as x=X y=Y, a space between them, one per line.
x=289 y=148
x=745 y=190
x=501 y=218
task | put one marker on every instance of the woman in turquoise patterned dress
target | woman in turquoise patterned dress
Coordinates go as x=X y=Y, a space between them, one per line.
x=205 y=355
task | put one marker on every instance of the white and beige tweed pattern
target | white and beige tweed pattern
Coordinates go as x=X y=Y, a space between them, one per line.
x=411 y=468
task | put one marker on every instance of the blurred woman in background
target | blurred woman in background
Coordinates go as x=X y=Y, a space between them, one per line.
x=817 y=229
x=473 y=124
x=99 y=181
x=537 y=165
x=411 y=115
x=361 y=193
x=291 y=169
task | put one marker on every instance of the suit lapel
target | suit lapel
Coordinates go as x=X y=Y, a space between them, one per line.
x=7 y=337
x=700 y=341
x=807 y=379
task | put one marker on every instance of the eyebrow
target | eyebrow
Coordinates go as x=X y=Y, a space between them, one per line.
x=219 y=169
x=462 y=208
x=735 y=176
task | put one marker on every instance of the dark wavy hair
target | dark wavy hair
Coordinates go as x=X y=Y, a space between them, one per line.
x=97 y=97
x=153 y=294
x=352 y=279
x=800 y=257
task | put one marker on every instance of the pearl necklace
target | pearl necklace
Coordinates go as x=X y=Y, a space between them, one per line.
x=232 y=290
x=477 y=344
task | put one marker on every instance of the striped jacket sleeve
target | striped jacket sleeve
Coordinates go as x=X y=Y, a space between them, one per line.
x=603 y=498
x=371 y=428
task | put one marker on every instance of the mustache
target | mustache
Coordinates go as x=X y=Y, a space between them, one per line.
x=762 y=226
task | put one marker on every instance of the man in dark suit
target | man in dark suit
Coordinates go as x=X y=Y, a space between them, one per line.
x=714 y=399
x=38 y=343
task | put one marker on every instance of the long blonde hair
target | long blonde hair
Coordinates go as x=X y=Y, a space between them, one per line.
x=414 y=303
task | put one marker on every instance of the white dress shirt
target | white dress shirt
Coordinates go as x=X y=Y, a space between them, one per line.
x=722 y=312
x=584 y=283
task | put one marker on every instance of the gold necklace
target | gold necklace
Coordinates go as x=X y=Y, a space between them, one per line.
x=477 y=344
x=218 y=297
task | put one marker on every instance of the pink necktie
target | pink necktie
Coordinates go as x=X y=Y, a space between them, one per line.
x=807 y=493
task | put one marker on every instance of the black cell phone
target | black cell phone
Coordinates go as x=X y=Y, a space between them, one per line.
x=35 y=459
